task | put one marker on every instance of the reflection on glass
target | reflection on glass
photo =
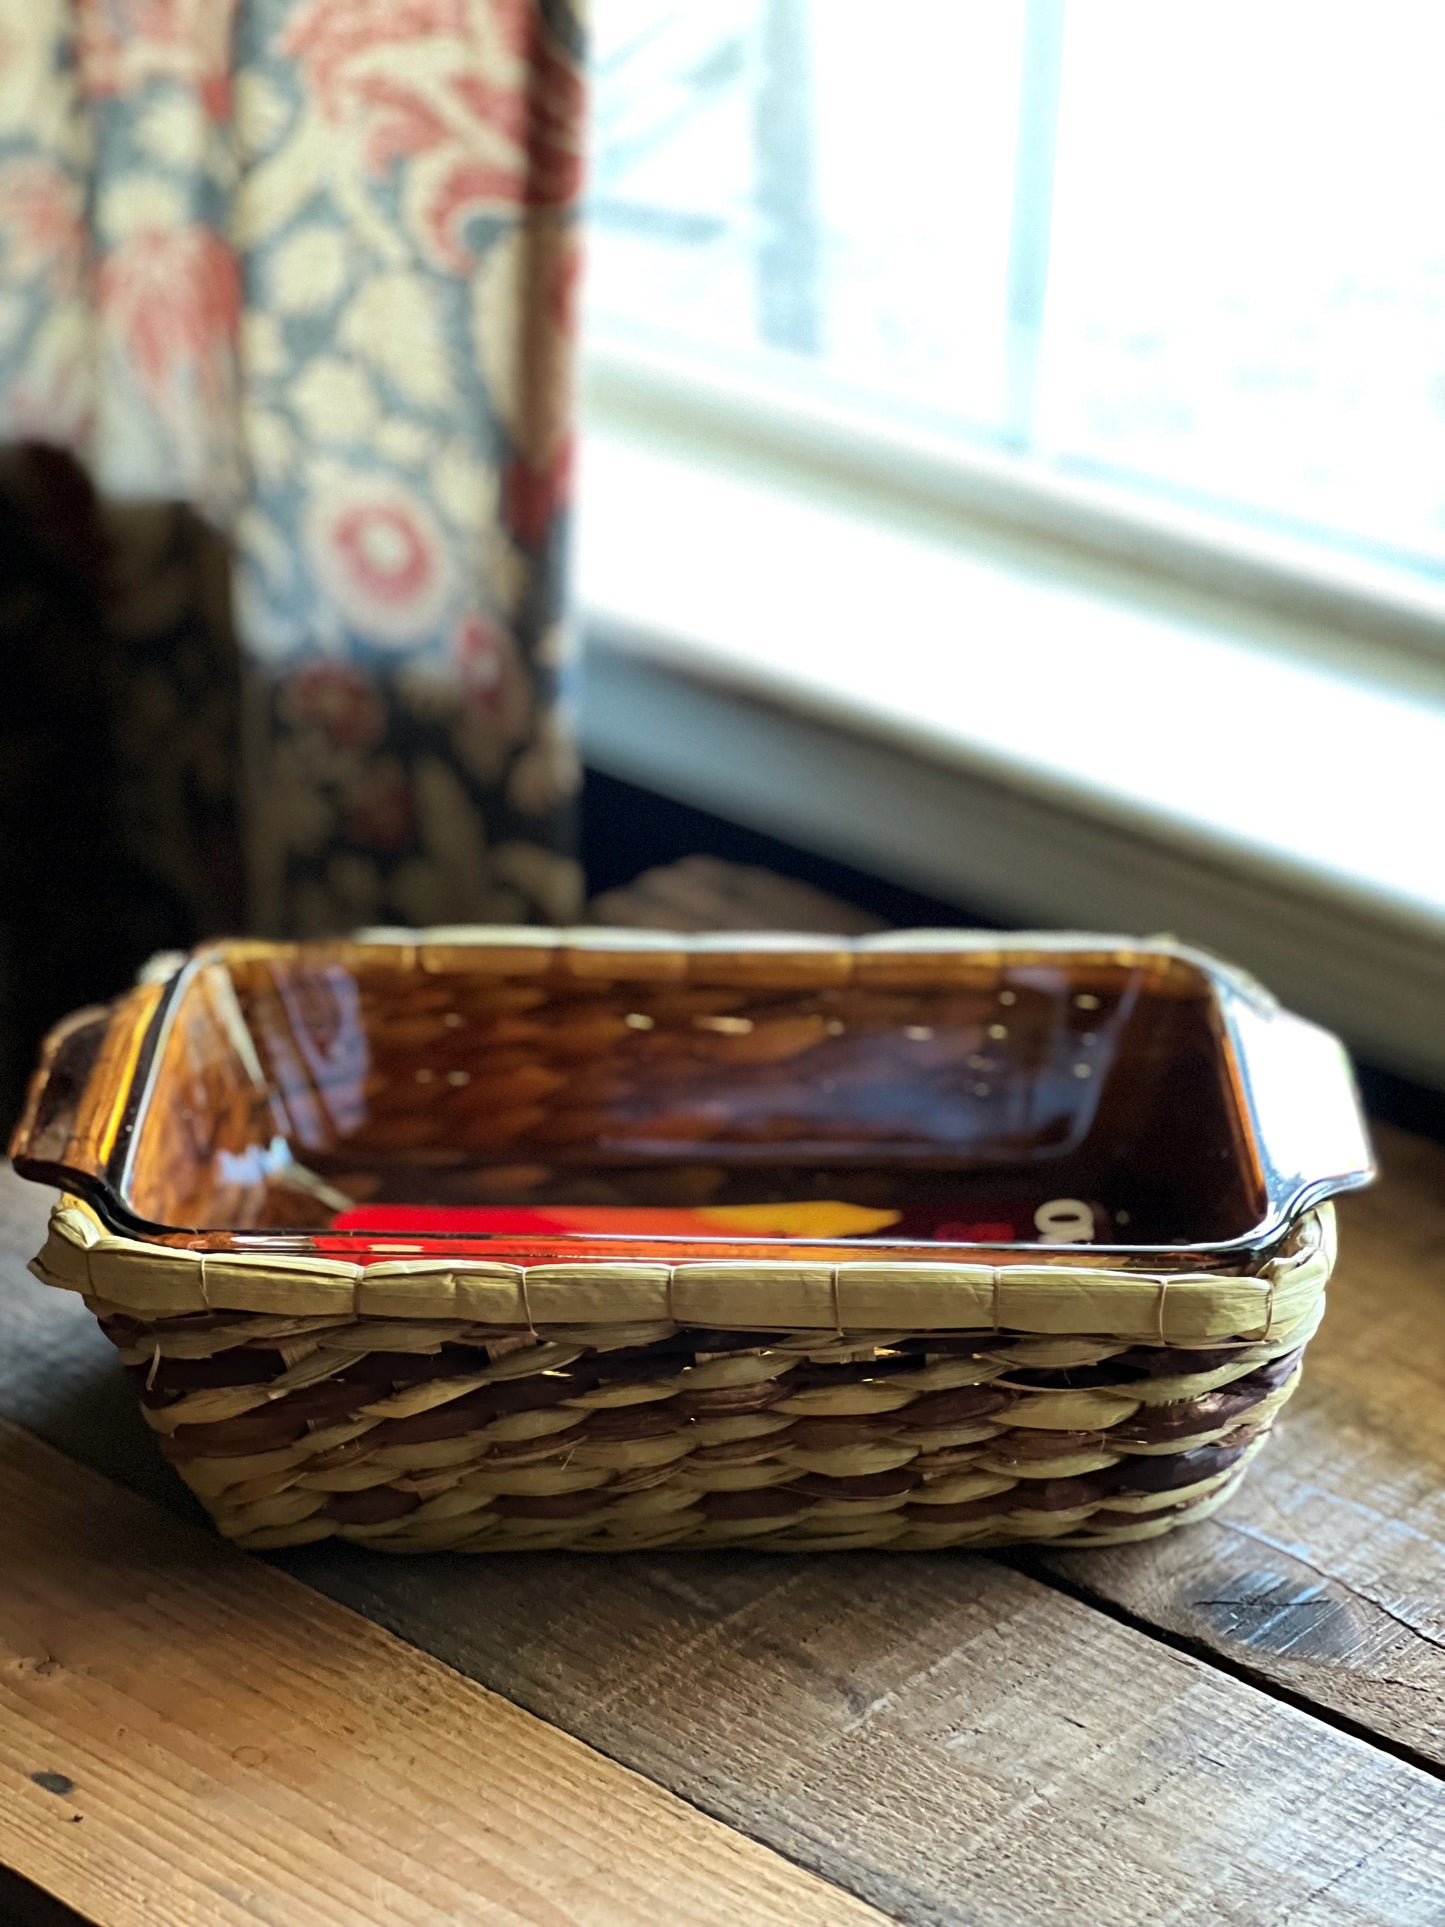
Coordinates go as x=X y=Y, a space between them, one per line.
x=1037 y=1099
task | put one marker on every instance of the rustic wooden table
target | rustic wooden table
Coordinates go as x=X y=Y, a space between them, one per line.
x=1244 y=1723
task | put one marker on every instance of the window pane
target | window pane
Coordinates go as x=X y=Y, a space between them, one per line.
x=1217 y=273
x=672 y=167
x=795 y=179
x=1247 y=283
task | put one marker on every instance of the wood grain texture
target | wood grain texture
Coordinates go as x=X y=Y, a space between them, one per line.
x=953 y=1740
x=1326 y=1575
x=189 y=1736
x=58 y=1371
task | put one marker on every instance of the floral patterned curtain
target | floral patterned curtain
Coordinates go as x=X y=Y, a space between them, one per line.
x=308 y=267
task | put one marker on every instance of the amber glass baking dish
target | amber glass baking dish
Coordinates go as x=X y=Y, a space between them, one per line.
x=493 y=1238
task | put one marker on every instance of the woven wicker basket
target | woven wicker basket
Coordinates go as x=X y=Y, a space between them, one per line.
x=610 y=1393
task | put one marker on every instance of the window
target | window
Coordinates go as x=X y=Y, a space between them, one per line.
x=1191 y=251
x=1015 y=461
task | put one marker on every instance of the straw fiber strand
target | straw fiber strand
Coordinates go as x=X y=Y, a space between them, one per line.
x=310 y=1416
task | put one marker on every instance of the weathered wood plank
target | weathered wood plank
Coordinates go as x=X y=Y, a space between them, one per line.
x=58 y=1374
x=1326 y=1575
x=188 y=1735
x=948 y=1738
x=953 y=1741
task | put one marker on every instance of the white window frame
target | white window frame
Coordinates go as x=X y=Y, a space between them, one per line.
x=711 y=697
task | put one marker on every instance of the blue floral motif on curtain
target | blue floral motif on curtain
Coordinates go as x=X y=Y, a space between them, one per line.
x=310 y=266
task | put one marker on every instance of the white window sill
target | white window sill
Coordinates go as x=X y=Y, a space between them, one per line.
x=1005 y=720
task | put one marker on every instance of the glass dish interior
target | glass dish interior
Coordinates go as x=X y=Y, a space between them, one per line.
x=288 y=1091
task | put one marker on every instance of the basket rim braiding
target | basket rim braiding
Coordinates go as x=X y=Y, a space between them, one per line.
x=127 y=1275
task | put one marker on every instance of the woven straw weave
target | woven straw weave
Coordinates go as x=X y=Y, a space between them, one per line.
x=425 y=1405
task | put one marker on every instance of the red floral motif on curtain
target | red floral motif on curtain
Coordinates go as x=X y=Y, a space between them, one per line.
x=310 y=265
